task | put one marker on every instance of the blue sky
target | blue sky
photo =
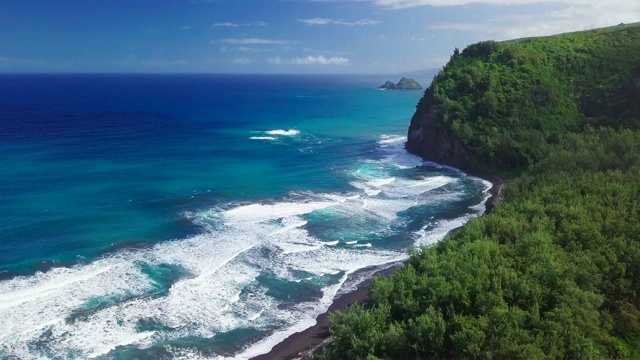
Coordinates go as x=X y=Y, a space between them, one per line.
x=275 y=36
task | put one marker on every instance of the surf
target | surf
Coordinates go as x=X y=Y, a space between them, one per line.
x=259 y=230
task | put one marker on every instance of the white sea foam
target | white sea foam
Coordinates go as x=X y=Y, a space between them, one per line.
x=431 y=234
x=331 y=243
x=381 y=182
x=263 y=138
x=221 y=289
x=412 y=187
x=283 y=132
x=374 y=186
x=396 y=155
x=262 y=212
x=46 y=288
x=482 y=206
x=304 y=314
x=290 y=223
x=391 y=139
x=428 y=236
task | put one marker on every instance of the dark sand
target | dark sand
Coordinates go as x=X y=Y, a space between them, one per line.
x=295 y=344
x=313 y=336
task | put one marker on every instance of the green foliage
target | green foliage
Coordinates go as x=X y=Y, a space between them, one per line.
x=554 y=271
x=506 y=101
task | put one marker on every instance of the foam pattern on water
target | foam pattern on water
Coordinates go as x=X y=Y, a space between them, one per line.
x=223 y=284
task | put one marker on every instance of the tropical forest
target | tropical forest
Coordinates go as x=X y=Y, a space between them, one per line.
x=553 y=271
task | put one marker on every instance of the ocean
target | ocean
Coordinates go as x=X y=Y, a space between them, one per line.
x=202 y=216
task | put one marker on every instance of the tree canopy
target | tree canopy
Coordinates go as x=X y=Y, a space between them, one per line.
x=554 y=271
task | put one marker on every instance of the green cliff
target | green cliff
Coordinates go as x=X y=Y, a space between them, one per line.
x=554 y=271
x=495 y=106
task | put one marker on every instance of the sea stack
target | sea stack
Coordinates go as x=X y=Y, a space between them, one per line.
x=388 y=86
x=403 y=84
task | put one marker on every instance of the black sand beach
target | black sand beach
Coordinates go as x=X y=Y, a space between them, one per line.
x=294 y=345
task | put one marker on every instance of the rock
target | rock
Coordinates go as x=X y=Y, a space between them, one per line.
x=403 y=84
x=388 y=85
x=428 y=139
x=408 y=84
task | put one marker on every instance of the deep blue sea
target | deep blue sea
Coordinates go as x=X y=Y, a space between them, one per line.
x=202 y=216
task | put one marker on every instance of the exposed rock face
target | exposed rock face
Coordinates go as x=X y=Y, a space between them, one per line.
x=408 y=84
x=429 y=140
x=388 y=85
x=403 y=84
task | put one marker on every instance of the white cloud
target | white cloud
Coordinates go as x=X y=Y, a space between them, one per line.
x=326 y=21
x=242 y=61
x=321 y=60
x=277 y=60
x=233 y=24
x=251 y=49
x=309 y=60
x=574 y=16
x=225 y=24
x=316 y=21
x=617 y=6
x=360 y=22
x=403 y=4
x=317 y=51
x=255 y=41
x=244 y=49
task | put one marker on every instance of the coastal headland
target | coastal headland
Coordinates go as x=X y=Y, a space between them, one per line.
x=552 y=272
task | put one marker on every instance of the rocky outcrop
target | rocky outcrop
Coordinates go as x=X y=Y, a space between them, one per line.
x=430 y=140
x=408 y=84
x=388 y=86
x=403 y=84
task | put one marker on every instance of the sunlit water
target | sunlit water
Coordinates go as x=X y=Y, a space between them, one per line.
x=202 y=216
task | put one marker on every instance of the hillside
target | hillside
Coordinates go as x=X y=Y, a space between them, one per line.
x=496 y=105
x=554 y=271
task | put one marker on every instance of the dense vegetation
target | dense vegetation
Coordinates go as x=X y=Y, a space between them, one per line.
x=505 y=101
x=554 y=271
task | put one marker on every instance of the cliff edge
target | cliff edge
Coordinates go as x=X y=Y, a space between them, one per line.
x=497 y=106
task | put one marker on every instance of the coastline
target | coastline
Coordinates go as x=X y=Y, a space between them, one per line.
x=301 y=345
x=312 y=338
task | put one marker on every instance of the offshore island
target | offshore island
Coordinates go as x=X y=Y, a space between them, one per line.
x=553 y=272
x=403 y=84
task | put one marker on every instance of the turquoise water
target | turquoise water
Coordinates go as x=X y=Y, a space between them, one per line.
x=203 y=215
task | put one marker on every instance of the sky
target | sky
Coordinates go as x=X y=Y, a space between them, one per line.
x=275 y=36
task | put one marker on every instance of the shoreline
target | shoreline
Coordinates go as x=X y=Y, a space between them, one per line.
x=299 y=345
x=311 y=338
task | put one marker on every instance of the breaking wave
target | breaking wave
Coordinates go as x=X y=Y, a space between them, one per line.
x=269 y=266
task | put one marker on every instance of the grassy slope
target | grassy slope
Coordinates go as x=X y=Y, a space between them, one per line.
x=554 y=271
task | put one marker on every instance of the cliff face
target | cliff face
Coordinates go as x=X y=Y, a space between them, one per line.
x=498 y=106
x=431 y=142
x=429 y=139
